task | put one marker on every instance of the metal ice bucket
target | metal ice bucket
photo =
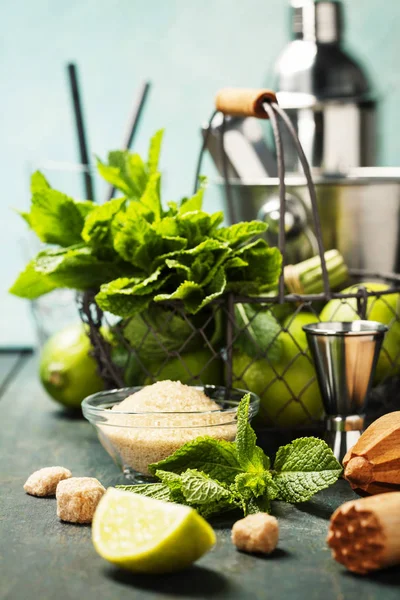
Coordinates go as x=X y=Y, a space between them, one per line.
x=359 y=212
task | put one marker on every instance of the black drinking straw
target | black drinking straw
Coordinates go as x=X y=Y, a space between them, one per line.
x=80 y=129
x=132 y=125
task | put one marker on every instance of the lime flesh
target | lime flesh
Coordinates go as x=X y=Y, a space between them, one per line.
x=149 y=536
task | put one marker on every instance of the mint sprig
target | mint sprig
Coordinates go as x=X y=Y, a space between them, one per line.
x=215 y=476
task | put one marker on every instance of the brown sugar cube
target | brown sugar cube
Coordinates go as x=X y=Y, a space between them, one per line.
x=256 y=533
x=44 y=482
x=77 y=499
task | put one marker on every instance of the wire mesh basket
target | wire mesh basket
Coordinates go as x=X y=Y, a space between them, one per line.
x=254 y=343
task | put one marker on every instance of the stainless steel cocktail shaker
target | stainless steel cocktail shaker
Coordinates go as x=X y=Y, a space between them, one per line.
x=325 y=91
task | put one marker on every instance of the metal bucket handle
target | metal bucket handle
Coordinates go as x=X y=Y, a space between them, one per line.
x=262 y=103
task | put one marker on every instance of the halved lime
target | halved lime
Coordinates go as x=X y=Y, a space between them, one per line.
x=149 y=536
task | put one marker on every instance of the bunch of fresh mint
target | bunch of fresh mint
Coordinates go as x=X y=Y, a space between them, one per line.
x=214 y=476
x=137 y=251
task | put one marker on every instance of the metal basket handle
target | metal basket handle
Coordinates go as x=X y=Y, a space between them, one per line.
x=262 y=103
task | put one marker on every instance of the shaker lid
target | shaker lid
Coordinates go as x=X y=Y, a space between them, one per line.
x=318 y=21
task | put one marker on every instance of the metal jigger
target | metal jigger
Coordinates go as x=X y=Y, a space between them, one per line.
x=345 y=357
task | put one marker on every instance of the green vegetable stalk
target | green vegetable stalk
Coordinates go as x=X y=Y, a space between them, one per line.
x=215 y=476
x=306 y=277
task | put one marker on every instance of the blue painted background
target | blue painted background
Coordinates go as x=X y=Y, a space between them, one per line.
x=188 y=48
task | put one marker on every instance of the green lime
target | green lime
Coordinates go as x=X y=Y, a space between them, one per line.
x=67 y=371
x=297 y=338
x=385 y=309
x=194 y=368
x=149 y=536
x=288 y=390
x=279 y=389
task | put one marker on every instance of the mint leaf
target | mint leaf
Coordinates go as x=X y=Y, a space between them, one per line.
x=207 y=264
x=194 y=294
x=174 y=483
x=125 y=171
x=303 y=468
x=199 y=488
x=39 y=182
x=142 y=243
x=117 y=303
x=167 y=227
x=216 y=458
x=192 y=204
x=112 y=174
x=135 y=174
x=154 y=151
x=54 y=217
x=262 y=270
x=253 y=484
x=239 y=233
x=128 y=295
x=173 y=480
x=197 y=226
x=189 y=292
x=177 y=266
x=75 y=267
x=235 y=262
x=250 y=485
x=256 y=484
x=214 y=290
x=208 y=496
x=159 y=491
x=97 y=231
x=251 y=458
x=31 y=284
x=137 y=243
x=258 y=332
x=151 y=195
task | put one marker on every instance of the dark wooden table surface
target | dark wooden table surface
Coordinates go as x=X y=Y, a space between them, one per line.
x=42 y=558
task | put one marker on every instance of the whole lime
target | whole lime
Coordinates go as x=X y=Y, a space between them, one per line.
x=67 y=371
x=288 y=389
x=385 y=309
x=294 y=327
x=193 y=368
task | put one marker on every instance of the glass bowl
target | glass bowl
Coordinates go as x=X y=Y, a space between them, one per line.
x=136 y=439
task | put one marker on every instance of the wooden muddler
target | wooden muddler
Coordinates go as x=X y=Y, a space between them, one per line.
x=373 y=464
x=244 y=102
x=364 y=534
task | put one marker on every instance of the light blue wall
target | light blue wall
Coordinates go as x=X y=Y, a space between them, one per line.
x=188 y=48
